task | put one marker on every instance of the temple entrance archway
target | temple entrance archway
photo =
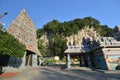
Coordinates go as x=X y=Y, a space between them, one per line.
x=28 y=61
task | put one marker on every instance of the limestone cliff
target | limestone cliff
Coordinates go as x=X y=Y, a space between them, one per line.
x=75 y=39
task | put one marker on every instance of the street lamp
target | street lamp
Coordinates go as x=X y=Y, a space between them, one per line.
x=5 y=13
x=1 y=23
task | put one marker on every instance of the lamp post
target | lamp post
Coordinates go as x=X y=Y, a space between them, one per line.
x=1 y=23
x=5 y=13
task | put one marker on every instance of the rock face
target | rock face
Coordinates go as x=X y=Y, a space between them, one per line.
x=45 y=40
x=76 y=39
x=24 y=30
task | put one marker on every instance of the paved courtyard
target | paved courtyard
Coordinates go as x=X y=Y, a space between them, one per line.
x=55 y=73
x=73 y=74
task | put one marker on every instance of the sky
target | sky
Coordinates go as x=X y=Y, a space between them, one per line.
x=44 y=11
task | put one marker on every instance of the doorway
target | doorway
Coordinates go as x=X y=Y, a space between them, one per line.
x=28 y=61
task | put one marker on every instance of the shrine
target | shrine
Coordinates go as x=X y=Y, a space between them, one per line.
x=96 y=54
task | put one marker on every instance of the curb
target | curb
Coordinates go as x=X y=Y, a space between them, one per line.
x=107 y=71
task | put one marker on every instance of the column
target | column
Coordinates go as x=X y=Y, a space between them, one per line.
x=23 y=60
x=88 y=60
x=34 y=60
x=68 y=61
x=80 y=60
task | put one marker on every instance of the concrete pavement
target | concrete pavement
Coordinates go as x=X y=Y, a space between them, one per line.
x=24 y=74
x=83 y=73
x=55 y=73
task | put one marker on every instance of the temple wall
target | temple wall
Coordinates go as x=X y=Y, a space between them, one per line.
x=98 y=57
x=14 y=64
x=112 y=56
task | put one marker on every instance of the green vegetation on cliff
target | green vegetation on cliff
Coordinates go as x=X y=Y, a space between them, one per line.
x=60 y=30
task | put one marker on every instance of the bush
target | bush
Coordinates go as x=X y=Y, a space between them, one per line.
x=49 y=61
x=10 y=46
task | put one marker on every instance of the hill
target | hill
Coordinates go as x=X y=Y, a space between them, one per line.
x=55 y=35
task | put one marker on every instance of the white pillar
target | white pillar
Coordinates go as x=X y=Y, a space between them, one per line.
x=34 y=60
x=68 y=61
x=23 y=60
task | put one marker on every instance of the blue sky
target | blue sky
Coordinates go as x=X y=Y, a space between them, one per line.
x=43 y=11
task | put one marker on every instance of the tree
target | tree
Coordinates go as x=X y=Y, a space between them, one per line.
x=105 y=31
x=42 y=48
x=79 y=22
x=10 y=46
x=52 y=27
x=89 y=21
x=59 y=46
x=40 y=32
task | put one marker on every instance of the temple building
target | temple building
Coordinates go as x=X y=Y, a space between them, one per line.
x=24 y=30
x=96 y=53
